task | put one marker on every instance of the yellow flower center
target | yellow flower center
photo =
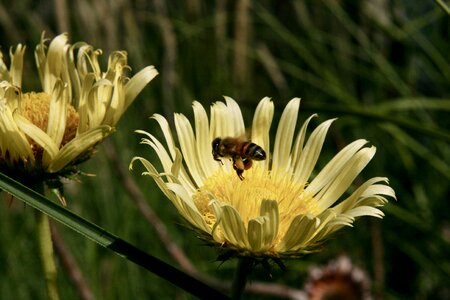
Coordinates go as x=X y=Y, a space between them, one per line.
x=35 y=107
x=246 y=195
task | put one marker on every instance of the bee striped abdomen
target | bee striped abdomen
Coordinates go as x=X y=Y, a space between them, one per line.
x=254 y=151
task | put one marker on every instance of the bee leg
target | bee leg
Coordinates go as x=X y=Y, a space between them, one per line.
x=247 y=163
x=239 y=174
x=217 y=158
x=239 y=166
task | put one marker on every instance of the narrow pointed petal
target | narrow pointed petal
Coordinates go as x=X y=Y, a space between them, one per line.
x=226 y=119
x=363 y=192
x=261 y=126
x=166 y=132
x=331 y=194
x=298 y=146
x=311 y=152
x=187 y=142
x=203 y=140
x=284 y=136
x=334 y=166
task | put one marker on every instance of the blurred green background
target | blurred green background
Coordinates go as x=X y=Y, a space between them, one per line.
x=382 y=67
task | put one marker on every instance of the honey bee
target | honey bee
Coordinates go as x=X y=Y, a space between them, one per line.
x=240 y=150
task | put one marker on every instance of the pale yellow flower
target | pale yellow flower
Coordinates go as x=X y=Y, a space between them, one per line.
x=45 y=133
x=283 y=207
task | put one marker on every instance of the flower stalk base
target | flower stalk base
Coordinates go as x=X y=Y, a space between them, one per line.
x=244 y=268
x=47 y=257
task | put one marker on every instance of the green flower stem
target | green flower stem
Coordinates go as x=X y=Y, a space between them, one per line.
x=108 y=240
x=443 y=6
x=47 y=257
x=244 y=268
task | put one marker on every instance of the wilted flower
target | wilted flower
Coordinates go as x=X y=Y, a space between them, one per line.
x=283 y=207
x=340 y=279
x=44 y=134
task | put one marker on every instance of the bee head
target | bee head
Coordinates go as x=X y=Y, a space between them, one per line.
x=215 y=145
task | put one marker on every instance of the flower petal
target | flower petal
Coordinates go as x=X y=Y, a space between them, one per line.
x=13 y=142
x=187 y=142
x=39 y=136
x=226 y=120
x=256 y=233
x=284 y=137
x=334 y=166
x=233 y=227
x=262 y=121
x=57 y=113
x=78 y=146
x=301 y=228
x=186 y=206
x=137 y=83
x=310 y=153
x=335 y=189
x=16 y=68
x=298 y=146
x=203 y=140
x=269 y=209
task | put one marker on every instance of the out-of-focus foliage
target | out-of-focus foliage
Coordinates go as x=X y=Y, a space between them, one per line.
x=382 y=67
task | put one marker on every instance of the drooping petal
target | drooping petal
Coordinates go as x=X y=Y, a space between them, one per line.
x=115 y=105
x=13 y=142
x=187 y=206
x=53 y=63
x=97 y=101
x=137 y=83
x=57 y=113
x=39 y=136
x=78 y=146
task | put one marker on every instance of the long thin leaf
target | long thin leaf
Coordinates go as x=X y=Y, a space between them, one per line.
x=108 y=240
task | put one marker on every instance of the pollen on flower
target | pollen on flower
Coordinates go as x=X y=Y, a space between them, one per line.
x=35 y=107
x=247 y=195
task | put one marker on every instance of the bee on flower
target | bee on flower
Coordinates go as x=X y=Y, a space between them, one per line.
x=280 y=209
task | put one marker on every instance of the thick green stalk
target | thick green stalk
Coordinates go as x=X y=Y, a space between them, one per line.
x=46 y=251
x=47 y=257
x=244 y=268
